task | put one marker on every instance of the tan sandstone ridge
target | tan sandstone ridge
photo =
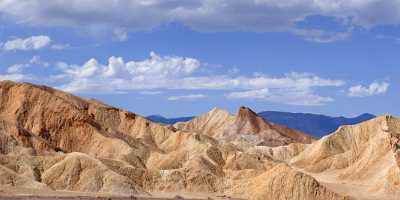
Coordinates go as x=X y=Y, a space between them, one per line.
x=53 y=141
x=359 y=160
x=246 y=126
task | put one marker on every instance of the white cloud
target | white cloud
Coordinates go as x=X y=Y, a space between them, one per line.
x=16 y=68
x=187 y=97
x=179 y=73
x=374 y=88
x=153 y=73
x=303 y=97
x=157 y=73
x=206 y=15
x=322 y=36
x=19 y=68
x=30 y=43
x=36 y=60
x=15 y=77
x=16 y=72
x=251 y=94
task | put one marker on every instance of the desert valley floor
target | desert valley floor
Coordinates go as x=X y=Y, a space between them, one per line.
x=57 y=145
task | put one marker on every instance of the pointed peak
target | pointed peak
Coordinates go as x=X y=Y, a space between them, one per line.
x=245 y=111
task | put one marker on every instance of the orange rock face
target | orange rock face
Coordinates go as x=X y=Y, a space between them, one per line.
x=248 y=122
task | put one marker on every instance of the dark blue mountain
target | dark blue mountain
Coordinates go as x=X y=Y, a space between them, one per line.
x=313 y=124
x=164 y=120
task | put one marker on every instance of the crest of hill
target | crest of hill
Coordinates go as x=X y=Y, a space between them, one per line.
x=246 y=126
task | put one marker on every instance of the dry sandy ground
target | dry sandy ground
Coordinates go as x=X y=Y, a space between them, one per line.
x=9 y=193
x=359 y=191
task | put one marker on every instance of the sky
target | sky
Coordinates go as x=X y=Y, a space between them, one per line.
x=184 y=57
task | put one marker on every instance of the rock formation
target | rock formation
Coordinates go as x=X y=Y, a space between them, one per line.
x=53 y=141
x=244 y=126
x=365 y=154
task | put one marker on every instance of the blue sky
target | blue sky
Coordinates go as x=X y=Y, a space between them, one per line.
x=179 y=58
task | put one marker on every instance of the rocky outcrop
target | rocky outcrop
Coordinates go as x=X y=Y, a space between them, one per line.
x=50 y=120
x=245 y=126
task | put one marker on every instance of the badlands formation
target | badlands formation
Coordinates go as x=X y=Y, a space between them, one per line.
x=52 y=142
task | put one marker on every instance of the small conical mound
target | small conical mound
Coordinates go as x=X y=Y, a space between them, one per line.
x=248 y=122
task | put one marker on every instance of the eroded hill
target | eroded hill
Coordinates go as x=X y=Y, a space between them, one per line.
x=245 y=126
x=54 y=141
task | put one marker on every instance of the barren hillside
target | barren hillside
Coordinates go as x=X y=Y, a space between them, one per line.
x=55 y=142
x=245 y=126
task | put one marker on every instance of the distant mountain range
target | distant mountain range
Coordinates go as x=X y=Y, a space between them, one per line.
x=313 y=124
x=164 y=120
x=316 y=125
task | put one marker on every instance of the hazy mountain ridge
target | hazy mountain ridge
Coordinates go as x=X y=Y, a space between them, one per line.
x=313 y=124
x=165 y=120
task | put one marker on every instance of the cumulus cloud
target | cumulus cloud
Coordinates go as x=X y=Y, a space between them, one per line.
x=374 y=88
x=30 y=43
x=181 y=73
x=152 y=73
x=293 y=89
x=205 y=15
x=187 y=97
x=159 y=73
